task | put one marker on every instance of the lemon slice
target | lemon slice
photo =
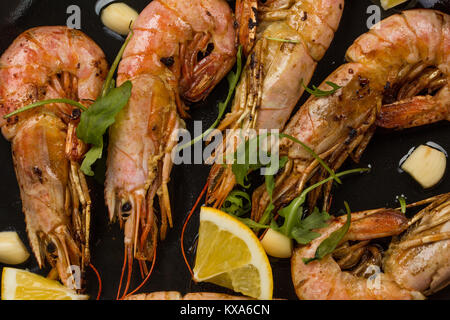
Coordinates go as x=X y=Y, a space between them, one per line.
x=388 y=4
x=23 y=285
x=230 y=255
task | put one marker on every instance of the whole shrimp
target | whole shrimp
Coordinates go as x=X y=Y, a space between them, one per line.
x=178 y=49
x=420 y=259
x=415 y=265
x=49 y=63
x=289 y=37
x=403 y=56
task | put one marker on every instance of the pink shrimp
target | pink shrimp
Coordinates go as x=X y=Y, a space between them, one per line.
x=179 y=48
x=48 y=63
x=416 y=263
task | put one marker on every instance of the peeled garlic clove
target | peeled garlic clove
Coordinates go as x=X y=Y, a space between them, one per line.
x=388 y=4
x=277 y=244
x=119 y=17
x=12 y=249
x=426 y=165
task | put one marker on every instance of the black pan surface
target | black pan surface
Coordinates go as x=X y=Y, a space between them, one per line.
x=377 y=189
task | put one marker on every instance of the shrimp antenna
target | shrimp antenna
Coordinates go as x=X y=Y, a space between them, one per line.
x=99 y=281
x=130 y=270
x=185 y=224
x=123 y=272
x=146 y=278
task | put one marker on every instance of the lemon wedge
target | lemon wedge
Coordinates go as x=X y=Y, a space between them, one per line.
x=23 y=285
x=230 y=255
x=388 y=4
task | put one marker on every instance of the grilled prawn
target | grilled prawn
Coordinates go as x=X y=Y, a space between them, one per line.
x=291 y=37
x=178 y=49
x=403 y=56
x=420 y=259
x=48 y=63
x=415 y=265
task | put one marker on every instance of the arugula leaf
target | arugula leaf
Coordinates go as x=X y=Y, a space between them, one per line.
x=233 y=79
x=321 y=93
x=237 y=203
x=94 y=153
x=402 y=202
x=97 y=119
x=303 y=233
x=102 y=113
x=109 y=81
x=296 y=227
x=270 y=186
x=253 y=224
x=329 y=244
x=241 y=170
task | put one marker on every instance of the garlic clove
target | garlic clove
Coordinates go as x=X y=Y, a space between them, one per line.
x=426 y=165
x=277 y=244
x=12 y=249
x=119 y=17
x=388 y=4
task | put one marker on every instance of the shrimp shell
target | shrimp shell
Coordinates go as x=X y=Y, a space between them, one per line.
x=48 y=63
x=179 y=49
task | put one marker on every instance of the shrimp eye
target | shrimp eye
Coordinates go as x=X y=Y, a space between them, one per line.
x=209 y=48
x=76 y=113
x=51 y=248
x=168 y=62
x=126 y=207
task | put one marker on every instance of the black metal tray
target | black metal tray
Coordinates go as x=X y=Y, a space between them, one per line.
x=376 y=189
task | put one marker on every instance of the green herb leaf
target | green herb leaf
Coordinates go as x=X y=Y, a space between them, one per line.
x=241 y=170
x=102 y=114
x=402 y=202
x=233 y=79
x=94 y=153
x=329 y=244
x=270 y=186
x=252 y=224
x=238 y=203
x=321 y=93
x=109 y=81
x=296 y=227
x=292 y=215
x=303 y=233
